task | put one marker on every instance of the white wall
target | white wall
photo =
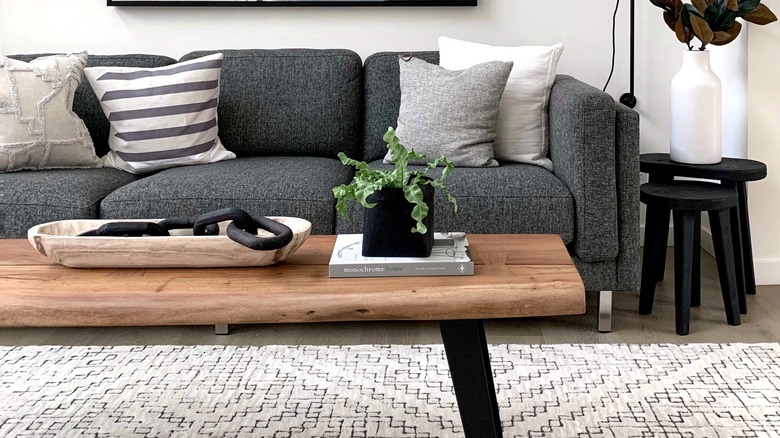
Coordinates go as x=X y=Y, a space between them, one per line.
x=56 y=25
x=2 y=14
x=764 y=145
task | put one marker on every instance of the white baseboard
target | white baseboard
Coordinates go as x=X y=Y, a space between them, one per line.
x=767 y=271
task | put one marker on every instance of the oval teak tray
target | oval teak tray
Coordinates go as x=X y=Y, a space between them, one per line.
x=60 y=241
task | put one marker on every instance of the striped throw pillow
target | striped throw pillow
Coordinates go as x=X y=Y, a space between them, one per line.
x=161 y=117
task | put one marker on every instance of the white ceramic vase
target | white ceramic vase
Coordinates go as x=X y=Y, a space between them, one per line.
x=697 y=108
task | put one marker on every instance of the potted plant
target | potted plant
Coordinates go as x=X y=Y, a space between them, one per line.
x=398 y=204
x=696 y=123
x=712 y=21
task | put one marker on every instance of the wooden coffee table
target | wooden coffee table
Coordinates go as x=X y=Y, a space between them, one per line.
x=515 y=276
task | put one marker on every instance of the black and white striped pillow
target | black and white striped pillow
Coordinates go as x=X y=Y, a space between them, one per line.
x=161 y=117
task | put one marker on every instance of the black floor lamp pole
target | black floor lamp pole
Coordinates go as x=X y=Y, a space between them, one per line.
x=629 y=99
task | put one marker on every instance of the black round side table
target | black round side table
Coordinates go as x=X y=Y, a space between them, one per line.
x=731 y=172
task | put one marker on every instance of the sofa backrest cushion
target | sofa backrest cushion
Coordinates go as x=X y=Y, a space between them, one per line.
x=290 y=101
x=383 y=98
x=87 y=106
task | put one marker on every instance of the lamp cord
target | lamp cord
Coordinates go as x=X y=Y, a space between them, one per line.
x=614 y=25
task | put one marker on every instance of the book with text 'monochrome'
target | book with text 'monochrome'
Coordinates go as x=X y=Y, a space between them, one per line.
x=450 y=256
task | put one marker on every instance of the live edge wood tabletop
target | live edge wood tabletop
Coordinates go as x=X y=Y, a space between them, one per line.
x=515 y=276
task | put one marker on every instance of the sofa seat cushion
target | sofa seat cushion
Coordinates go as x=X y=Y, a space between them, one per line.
x=268 y=186
x=513 y=198
x=32 y=198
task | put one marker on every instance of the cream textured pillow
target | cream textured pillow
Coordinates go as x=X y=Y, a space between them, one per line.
x=38 y=128
x=521 y=131
x=161 y=117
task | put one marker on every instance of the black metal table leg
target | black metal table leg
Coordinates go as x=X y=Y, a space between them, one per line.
x=472 y=377
x=747 y=246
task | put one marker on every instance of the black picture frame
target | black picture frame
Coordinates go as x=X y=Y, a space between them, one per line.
x=273 y=3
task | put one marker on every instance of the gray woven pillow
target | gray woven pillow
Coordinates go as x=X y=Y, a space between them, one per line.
x=451 y=113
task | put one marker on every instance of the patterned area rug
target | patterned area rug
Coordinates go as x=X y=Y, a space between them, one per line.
x=706 y=390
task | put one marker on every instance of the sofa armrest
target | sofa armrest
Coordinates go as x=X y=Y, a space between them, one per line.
x=627 y=153
x=582 y=149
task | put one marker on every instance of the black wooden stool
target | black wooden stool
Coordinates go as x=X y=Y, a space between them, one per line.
x=686 y=200
x=731 y=172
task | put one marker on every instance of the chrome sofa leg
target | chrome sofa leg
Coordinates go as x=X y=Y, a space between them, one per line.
x=604 y=322
x=221 y=329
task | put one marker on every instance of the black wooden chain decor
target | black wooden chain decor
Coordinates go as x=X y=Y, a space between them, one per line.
x=242 y=229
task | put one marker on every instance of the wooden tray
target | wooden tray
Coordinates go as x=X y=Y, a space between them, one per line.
x=60 y=241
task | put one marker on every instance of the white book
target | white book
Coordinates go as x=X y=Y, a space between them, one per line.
x=450 y=256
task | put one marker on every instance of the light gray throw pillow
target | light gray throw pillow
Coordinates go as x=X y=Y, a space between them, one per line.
x=451 y=113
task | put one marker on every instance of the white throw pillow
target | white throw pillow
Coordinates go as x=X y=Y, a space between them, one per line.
x=38 y=128
x=521 y=132
x=161 y=117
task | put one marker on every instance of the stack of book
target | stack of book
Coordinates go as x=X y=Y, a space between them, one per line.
x=450 y=256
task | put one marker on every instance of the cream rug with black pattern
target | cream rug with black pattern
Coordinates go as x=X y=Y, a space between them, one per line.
x=706 y=390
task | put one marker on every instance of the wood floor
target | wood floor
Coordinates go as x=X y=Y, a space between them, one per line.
x=708 y=324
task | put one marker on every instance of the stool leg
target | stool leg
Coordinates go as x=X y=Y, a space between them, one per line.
x=663 y=233
x=747 y=246
x=739 y=243
x=653 y=247
x=739 y=266
x=696 y=265
x=684 y=228
x=724 y=256
x=739 y=260
x=663 y=237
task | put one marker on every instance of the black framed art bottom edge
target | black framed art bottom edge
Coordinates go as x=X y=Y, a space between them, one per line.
x=212 y=3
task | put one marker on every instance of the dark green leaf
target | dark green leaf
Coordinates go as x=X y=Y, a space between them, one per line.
x=711 y=13
x=724 y=21
x=747 y=6
x=689 y=9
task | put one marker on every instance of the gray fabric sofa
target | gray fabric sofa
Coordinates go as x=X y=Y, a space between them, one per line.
x=286 y=114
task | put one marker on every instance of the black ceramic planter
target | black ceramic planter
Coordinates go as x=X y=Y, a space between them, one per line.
x=387 y=228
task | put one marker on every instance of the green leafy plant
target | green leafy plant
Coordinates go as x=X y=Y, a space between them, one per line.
x=368 y=180
x=712 y=21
